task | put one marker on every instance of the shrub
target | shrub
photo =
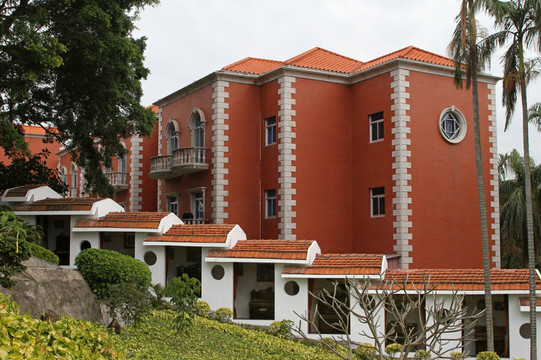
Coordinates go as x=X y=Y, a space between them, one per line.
x=282 y=329
x=487 y=355
x=157 y=295
x=223 y=314
x=365 y=351
x=40 y=252
x=329 y=342
x=422 y=355
x=103 y=268
x=392 y=349
x=14 y=249
x=22 y=337
x=183 y=291
x=457 y=355
x=126 y=300
x=202 y=308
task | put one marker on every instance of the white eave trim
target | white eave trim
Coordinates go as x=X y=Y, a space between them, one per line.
x=51 y=213
x=106 y=229
x=185 y=244
x=256 y=260
x=314 y=276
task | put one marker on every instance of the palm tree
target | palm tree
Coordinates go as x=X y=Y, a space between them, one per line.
x=513 y=205
x=465 y=52
x=519 y=26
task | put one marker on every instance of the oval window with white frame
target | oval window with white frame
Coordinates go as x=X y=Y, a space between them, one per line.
x=452 y=125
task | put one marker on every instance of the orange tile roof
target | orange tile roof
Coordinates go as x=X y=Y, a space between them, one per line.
x=321 y=59
x=256 y=66
x=36 y=130
x=22 y=190
x=340 y=264
x=128 y=220
x=202 y=233
x=464 y=279
x=524 y=301
x=266 y=249
x=410 y=53
x=61 y=204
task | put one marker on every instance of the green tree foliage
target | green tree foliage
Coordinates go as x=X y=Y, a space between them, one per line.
x=73 y=65
x=30 y=169
x=102 y=269
x=513 y=208
x=22 y=337
x=183 y=291
x=14 y=248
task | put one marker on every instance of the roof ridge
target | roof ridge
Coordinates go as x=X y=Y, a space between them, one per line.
x=311 y=51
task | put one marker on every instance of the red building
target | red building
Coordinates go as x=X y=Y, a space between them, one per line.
x=37 y=142
x=371 y=157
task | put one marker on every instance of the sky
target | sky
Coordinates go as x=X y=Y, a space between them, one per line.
x=189 y=39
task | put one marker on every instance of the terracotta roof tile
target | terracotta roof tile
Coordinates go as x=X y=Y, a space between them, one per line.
x=464 y=279
x=340 y=264
x=266 y=249
x=128 y=220
x=254 y=66
x=321 y=59
x=202 y=233
x=411 y=53
x=36 y=130
x=61 y=204
x=524 y=301
x=21 y=190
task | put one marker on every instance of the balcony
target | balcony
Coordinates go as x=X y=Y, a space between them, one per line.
x=183 y=161
x=194 y=221
x=118 y=179
x=73 y=192
x=189 y=160
x=160 y=167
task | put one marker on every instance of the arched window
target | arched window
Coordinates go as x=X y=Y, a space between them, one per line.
x=74 y=181
x=197 y=126
x=122 y=164
x=171 y=134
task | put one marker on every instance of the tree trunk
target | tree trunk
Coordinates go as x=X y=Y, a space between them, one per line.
x=529 y=210
x=482 y=207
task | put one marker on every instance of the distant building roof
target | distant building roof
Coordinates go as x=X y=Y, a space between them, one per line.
x=202 y=233
x=21 y=191
x=278 y=250
x=125 y=220
x=61 y=204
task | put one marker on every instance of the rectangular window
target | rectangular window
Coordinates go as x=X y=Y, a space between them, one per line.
x=172 y=204
x=270 y=130
x=270 y=203
x=376 y=126
x=377 y=201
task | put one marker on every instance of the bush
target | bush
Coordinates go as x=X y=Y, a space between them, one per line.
x=202 y=308
x=392 y=349
x=487 y=355
x=422 y=355
x=223 y=315
x=103 y=268
x=282 y=329
x=14 y=249
x=183 y=291
x=40 y=252
x=457 y=355
x=126 y=300
x=365 y=351
x=22 y=337
x=157 y=295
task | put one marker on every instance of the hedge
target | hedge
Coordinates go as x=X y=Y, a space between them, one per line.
x=103 y=268
x=44 y=254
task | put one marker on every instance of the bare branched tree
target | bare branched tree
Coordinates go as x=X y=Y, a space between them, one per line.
x=421 y=318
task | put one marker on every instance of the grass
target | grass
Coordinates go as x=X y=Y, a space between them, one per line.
x=155 y=338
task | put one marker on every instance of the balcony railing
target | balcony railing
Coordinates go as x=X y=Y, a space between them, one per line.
x=74 y=192
x=160 y=167
x=189 y=160
x=118 y=179
x=194 y=221
x=183 y=161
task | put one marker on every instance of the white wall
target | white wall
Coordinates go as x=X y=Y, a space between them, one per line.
x=435 y=301
x=217 y=293
x=158 y=269
x=286 y=305
x=77 y=239
x=518 y=346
